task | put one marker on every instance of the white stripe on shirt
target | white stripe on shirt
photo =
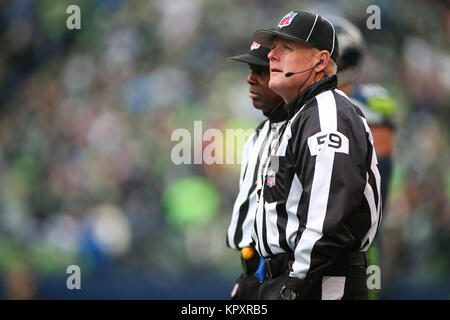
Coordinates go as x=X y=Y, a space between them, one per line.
x=326 y=106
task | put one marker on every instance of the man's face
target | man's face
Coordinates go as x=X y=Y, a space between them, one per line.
x=289 y=56
x=263 y=98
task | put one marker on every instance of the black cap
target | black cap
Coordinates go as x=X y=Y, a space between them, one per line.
x=257 y=55
x=305 y=27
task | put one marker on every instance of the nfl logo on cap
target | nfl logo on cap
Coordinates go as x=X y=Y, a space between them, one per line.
x=255 y=45
x=287 y=19
x=271 y=178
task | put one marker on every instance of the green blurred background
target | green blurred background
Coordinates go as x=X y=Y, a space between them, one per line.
x=86 y=118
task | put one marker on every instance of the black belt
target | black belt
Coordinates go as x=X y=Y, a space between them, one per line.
x=343 y=262
x=279 y=264
x=357 y=259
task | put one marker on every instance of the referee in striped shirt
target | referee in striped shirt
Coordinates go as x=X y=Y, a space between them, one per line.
x=320 y=205
x=254 y=155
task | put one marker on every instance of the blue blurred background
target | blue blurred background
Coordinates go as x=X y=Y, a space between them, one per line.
x=86 y=118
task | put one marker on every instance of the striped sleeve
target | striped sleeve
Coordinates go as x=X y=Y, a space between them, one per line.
x=340 y=204
x=240 y=228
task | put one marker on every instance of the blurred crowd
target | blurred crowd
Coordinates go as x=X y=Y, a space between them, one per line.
x=86 y=122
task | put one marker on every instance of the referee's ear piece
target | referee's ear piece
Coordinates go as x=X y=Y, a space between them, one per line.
x=320 y=62
x=325 y=73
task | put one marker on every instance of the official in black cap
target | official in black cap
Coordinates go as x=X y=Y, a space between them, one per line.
x=304 y=50
x=262 y=96
x=254 y=155
x=320 y=204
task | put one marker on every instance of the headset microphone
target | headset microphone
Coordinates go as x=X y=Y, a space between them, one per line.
x=289 y=74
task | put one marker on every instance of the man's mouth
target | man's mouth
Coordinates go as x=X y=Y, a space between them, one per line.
x=254 y=95
x=275 y=70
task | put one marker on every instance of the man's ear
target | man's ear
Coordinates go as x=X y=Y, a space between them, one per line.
x=323 y=57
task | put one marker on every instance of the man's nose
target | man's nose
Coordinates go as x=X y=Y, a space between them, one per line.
x=251 y=79
x=271 y=54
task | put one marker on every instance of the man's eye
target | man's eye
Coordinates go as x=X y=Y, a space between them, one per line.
x=262 y=72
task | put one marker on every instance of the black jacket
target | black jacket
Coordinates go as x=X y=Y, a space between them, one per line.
x=321 y=193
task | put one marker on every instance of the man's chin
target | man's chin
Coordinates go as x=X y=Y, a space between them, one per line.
x=274 y=85
x=261 y=107
x=258 y=105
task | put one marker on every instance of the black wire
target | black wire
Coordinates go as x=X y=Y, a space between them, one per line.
x=326 y=77
x=298 y=91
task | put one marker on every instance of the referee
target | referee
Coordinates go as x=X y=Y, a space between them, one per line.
x=254 y=155
x=320 y=204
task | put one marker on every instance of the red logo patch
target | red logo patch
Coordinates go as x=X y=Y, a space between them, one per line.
x=255 y=45
x=287 y=19
x=271 y=178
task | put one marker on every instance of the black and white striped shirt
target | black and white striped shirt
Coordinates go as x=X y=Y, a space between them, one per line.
x=321 y=192
x=254 y=157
